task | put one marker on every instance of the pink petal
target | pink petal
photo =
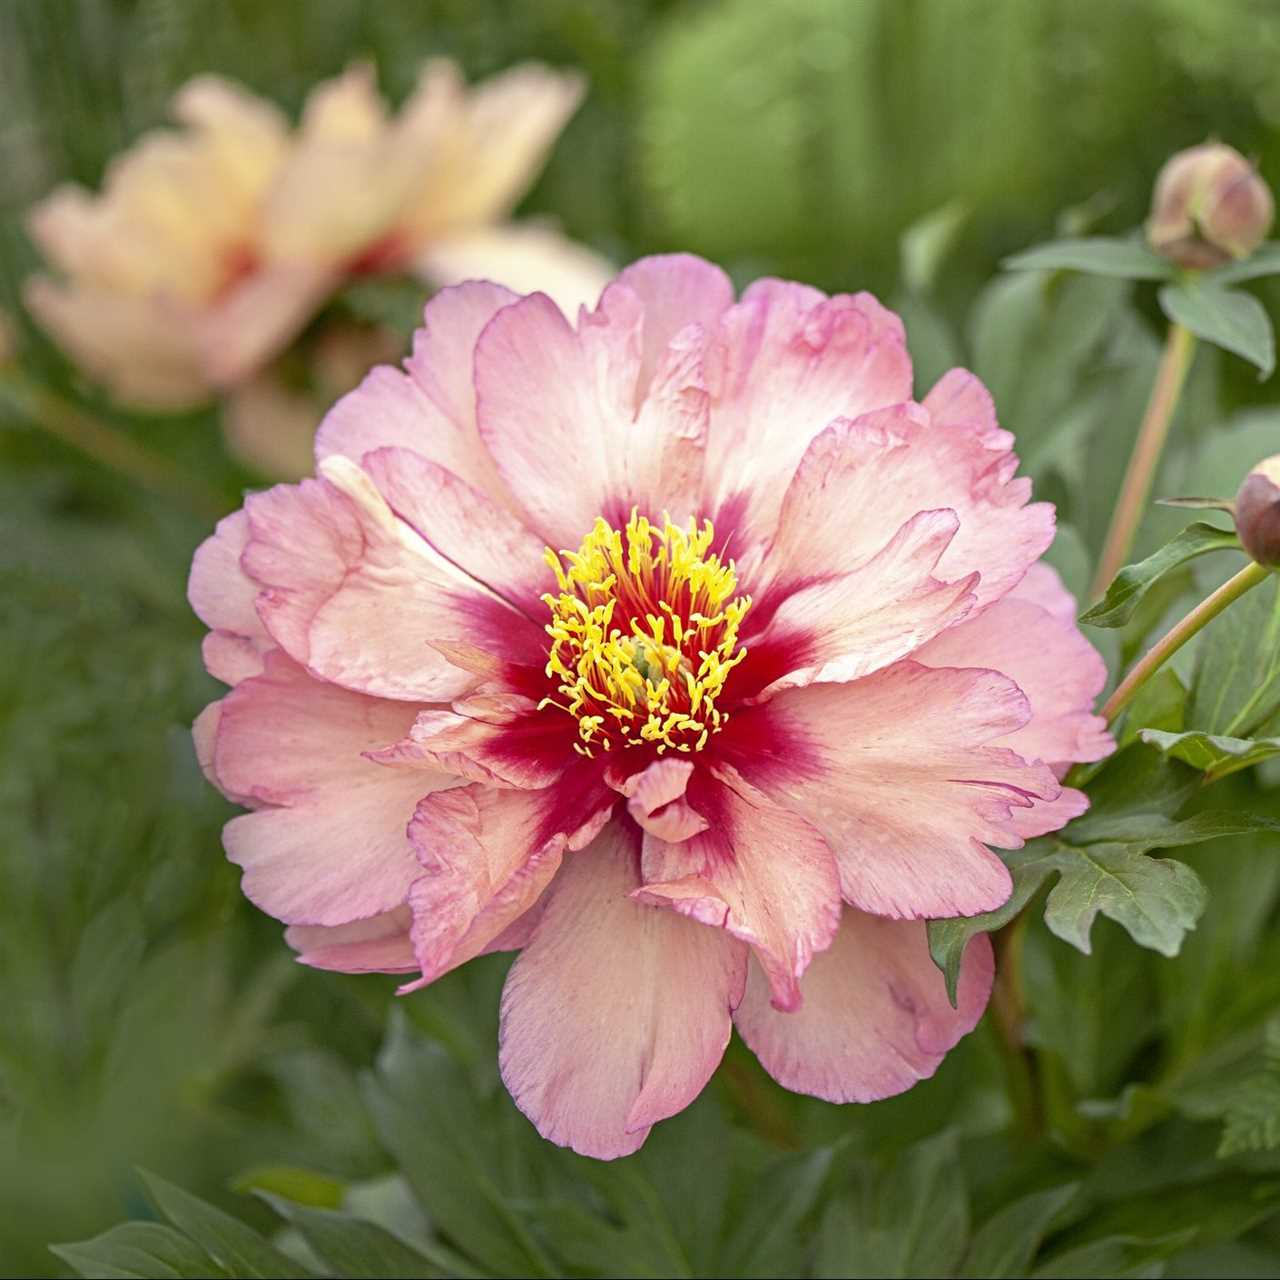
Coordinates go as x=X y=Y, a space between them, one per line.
x=848 y=626
x=616 y=1014
x=223 y=597
x=901 y=781
x=1051 y=662
x=379 y=944
x=431 y=406
x=861 y=479
x=655 y=799
x=464 y=525
x=875 y=1017
x=356 y=596
x=762 y=872
x=784 y=363
x=488 y=859
x=501 y=740
x=332 y=846
x=1044 y=587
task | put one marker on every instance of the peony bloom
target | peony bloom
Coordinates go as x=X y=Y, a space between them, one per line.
x=679 y=649
x=212 y=246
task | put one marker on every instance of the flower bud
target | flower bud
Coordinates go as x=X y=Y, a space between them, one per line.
x=1258 y=512
x=1210 y=206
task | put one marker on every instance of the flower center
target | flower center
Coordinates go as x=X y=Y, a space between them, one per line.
x=644 y=633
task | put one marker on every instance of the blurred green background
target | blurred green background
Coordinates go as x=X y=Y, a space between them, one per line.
x=148 y=1016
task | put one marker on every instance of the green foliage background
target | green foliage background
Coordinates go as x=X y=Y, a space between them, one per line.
x=152 y=1018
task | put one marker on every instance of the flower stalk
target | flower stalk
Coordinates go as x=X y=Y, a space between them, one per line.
x=1199 y=617
x=1135 y=490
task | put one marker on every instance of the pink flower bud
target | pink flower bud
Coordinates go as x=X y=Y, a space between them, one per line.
x=1258 y=512
x=1210 y=206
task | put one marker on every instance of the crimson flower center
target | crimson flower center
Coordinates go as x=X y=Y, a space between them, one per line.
x=644 y=635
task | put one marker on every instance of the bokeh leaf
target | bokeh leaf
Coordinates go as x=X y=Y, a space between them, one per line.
x=1094 y=255
x=1236 y=322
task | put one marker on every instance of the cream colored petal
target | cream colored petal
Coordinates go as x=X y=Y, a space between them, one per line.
x=526 y=258
x=346 y=109
x=142 y=349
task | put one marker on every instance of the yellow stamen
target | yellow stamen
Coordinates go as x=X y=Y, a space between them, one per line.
x=644 y=632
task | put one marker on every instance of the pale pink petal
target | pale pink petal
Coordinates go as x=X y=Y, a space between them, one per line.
x=525 y=257
x=958 y=400
x=897 y=773
x=616 y=1014
x=356 y=596
x=379 y=944
x=875 y=1018
x=464 y=525
x=783 y=363
x=762 y=872
x=848 y=626
x=655 y=799
x=1049 y=815
x=431 y=406
x=230 y=658
x=1043 y=586
x=1060 y=672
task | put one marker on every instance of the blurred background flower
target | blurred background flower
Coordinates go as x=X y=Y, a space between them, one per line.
x=899 y=146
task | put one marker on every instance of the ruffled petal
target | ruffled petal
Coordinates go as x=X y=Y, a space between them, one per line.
x=331 y=845
x=656 y=800
x=783 y=363
x=616 y=1014
x=379 y=944
x=895 y=770
x=356 y=596
x=431 y=406
x=875 y=1018
x=761 y=872
x=223 y=598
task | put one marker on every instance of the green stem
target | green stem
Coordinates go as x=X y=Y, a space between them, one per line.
x=1009 y=1009
x=1159 y=653
x=1136 y=489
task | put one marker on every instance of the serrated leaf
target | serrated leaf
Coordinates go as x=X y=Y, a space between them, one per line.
x=234 y=1245
x=1096 y=255
x=1135 y=580
x=1007 y=1242
x=355 y=1249
x=1251 y=1119
x=1236 y=322
x=139 y=1251
x=1212 y=753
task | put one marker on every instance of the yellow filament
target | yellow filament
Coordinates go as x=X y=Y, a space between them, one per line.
x=644 y=633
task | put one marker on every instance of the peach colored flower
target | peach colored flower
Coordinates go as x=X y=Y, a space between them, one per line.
x=211 y=246
x=790 y=671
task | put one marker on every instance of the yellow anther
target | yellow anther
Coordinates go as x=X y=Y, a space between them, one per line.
x=665 y=656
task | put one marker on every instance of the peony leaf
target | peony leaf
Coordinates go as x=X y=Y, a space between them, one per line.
x=1095 y=255
x=1135 y=580
x=1251 y=1120
x=1236 y=322
x=140 y=1251
x=1007 y=1242
x=1213 y=754
x=1263 y=261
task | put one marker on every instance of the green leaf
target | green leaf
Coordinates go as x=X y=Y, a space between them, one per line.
x=236 y=1247
x=1211 y=753
x=356 y=1249
x=785 y=1193
x=1115 y=1258
x=302 y=1186
x=1135 y=580
x=1263 y=261
x=910 y=1220
x=1235 y=321
x=1007 y=1242
x=1096 y=255
x=925 y=244
x=139 y=1251
x=1251 y=1119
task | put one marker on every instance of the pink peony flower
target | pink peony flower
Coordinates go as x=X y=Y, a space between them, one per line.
x=787 y=673
x=212 y=246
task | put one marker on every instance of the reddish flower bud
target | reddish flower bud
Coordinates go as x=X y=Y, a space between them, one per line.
x=1210 y=206
x=1258 y=512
